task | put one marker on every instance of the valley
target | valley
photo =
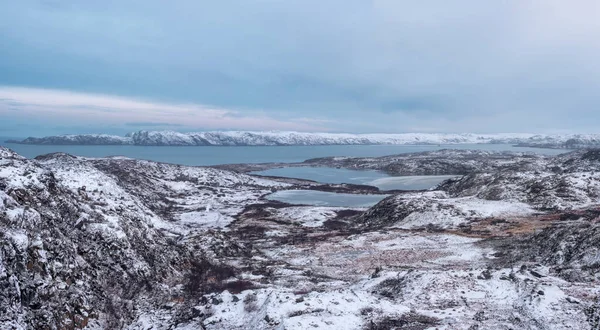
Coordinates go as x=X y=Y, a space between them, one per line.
x=509 y=240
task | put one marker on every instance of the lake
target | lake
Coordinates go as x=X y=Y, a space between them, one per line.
x=341 y=175
x=213 y=155
x=372 y=178
x=320 y=198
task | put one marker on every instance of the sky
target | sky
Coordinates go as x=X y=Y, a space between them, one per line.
x=393 y=66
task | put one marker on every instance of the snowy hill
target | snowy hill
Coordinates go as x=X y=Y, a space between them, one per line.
x=241 y=138
x=83 y=139
x=118 y=243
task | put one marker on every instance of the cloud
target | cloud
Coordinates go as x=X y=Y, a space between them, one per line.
x=67 y=106
x=150 y=124
x=353 y=65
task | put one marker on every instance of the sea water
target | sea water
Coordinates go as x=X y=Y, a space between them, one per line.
x=214 y=155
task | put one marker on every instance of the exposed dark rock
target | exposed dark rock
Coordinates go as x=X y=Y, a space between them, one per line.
x=409 y=321
x=571 y=249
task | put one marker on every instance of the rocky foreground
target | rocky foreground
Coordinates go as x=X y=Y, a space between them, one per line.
x=116 y=243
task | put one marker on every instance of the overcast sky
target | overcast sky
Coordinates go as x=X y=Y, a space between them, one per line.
x=335 y=65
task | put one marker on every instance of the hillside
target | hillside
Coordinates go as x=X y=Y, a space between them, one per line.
x=126 y=244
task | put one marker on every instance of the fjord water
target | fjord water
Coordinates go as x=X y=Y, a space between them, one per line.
x=206 y=156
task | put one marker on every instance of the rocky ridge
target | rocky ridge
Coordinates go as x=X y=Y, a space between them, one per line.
x=80 y=249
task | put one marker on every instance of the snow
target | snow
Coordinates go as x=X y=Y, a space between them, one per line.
x=416 y=182
x=305 y=276
x=357 y=256
x=309 y=216
x=418 y=210
x=205 y=219
x=228 y=138
x=441 y=279
x=193 y=189
x=334 y=309
x=490 y=208
x=424 y=218
x=18 y=238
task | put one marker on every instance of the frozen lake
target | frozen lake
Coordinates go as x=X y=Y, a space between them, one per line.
x=371 y=178
x=320 y=198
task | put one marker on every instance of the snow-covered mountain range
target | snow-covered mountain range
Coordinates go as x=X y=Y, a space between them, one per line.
x=242 y=138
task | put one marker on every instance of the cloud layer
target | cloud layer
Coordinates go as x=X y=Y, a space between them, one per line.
x=120 y=112
x=364 y=66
